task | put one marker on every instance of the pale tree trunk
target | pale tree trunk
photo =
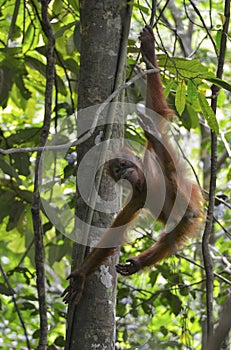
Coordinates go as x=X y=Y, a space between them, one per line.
x=104 y=30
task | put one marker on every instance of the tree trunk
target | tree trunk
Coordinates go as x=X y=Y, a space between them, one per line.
x=91 y=324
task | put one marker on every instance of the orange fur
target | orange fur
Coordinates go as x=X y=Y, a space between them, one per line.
x=145 y=177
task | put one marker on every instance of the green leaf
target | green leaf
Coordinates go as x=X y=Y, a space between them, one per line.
x=57 y=252
x=21 y=162
x=218 y=39
x=147 y=308
x=17 y=245
x=153 y=276
x=17 y=210
x=120 y=309
x=24 y=136
x=189 y=118
x=31 y=40
x=74 y=4
x=36 y=64
x=8 y=169
x=143 y=9
x=219 y=82
x=4 y=290
x=189 y=69
x=123 y=292
x=6 y=197
x=63 y=29
x=125 y=335
x=36 y=334
x=164 y=330
x=174 y=302
x=221 y=98
x=27 y=306
x=26 y=94
x=192 y=91
x=13 y=27
x=7 y=77
x=168 y=88
x=184 y=291
x=180 y=99
x=229 y=174
x=60 y=341
x=208 y=113
x=72 y=65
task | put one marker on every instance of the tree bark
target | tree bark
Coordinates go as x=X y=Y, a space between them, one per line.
x=91 y=324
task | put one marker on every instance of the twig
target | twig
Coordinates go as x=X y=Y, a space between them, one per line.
x=191 y=261
x=203 y=24
x=228 y=234
x=153 y=13
x=82 y=138
x=37 y=222
x=161 y=12
x=6 y=279
x=187 y=160
x=212 y=187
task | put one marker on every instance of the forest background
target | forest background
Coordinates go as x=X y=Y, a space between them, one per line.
x=177 y=304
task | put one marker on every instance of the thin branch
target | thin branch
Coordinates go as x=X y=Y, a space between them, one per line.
x=212 y=187
x=155 y=294
x=37 y=222
x=153 y=13
x=222 y=329
x=142 y=14
x=220 y=162
x=13 y=21
x=82 y=138
x=191 y=261
x=187 y=160
x=228 y=234
x=161 y=12
x=219 y=199
x=59 y=57
x=183 y=35
x=11 y=290
x=203 y=24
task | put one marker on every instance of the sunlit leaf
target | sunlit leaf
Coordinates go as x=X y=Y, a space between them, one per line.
x=8 y=169
x=208 y=113
x=17 y=210
x=192 y=91
x=180 y=99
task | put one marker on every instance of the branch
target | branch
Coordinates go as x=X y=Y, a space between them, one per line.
x=82 y=138
x=11 y=290
x=225 y=154
x=191 y=261
x=153 y=13
x=203 y=24
x=185 y=37
x=222 y=329
x=35 y=209
x=212 y=187
x=228 y=234
x=161 y=12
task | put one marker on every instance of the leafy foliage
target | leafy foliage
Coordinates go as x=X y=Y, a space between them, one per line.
x=163 y=307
